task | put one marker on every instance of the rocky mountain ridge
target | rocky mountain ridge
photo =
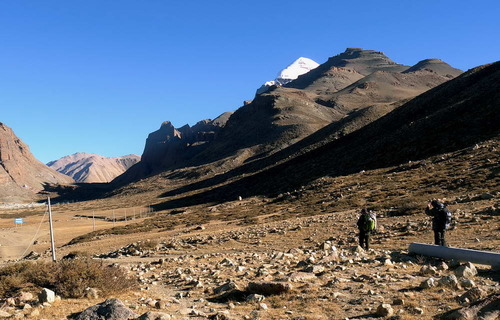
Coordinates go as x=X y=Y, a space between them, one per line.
x=90 y=167
x=21 y=175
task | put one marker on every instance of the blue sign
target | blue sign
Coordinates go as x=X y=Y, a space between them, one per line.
x=18 y=220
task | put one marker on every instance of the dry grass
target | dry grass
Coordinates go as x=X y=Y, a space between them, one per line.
x=68 y=278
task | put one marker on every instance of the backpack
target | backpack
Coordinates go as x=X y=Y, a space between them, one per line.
x=370 y=222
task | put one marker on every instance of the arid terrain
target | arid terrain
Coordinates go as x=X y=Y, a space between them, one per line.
x=306 y=238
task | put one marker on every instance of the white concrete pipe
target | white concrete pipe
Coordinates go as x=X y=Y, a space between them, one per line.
x=475 y=256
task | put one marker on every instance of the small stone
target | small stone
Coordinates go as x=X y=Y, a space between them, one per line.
x=418 y=310
x=228 y=286
x=91 y=293
x=160 y=305
x=428 y=271
x=467 y=283
x=428 y=283
x=398 y=302
x=4 y=314
x=468 y=270
x=263 y=306
x=442 y=266
x=449 y=281
x=384 y=310
x=255 y=298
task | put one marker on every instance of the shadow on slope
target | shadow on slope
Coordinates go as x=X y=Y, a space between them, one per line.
x=457 y=114
x=352 y=122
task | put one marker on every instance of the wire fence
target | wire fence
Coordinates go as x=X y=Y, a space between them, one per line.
x=33 y=227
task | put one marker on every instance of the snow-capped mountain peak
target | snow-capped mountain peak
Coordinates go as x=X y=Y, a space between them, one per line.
x=293 y=71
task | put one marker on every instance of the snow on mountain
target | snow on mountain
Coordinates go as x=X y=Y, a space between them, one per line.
x=293 y=71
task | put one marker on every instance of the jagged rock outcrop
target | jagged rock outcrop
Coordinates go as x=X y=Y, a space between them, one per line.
x=90 y=167
x=170 y=147
x=21 y=174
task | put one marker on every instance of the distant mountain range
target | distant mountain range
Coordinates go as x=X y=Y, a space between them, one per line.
x=358 y=110
x=455 y=115
x=90 y=167
x=353 y=88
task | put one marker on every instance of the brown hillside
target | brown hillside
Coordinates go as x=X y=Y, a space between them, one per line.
x=455 y=115
x=89 y=167
x=21 y=175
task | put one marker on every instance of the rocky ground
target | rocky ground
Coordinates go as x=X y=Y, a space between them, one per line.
x=300 y=268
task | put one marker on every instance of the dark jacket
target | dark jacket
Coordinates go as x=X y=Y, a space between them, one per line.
x=439 y=214
x=362 y=222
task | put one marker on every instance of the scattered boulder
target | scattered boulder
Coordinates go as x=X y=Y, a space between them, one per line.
x=91 y=293
x=255 y=298
x=4 y=314
x=269 y=288
x=467 y=283
x=467 y=270
x=428 y=283
x=228 y=286
x=485 y=309
x=473 y=295
x=428 y=271
x=152 y=315
x=24 y=296
x=301 y=276
x=449 y=281
x=315 y=269
x=47 y=295
x=111 y=309
x=384 y=310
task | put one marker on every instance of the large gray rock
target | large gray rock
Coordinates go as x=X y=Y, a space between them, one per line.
x=486 y=309
x=111 y=309
x=47 y=295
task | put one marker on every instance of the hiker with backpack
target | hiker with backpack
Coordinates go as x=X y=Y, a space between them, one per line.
x=441 y=220
x=366 y=225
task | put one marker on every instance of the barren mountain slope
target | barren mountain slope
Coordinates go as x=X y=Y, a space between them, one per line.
x=279 y=118
x=89 y=167
x=21 y=175
x=437 y=66
x=361 y=61
x=454 y=115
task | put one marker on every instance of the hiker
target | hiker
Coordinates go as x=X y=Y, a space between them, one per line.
x=366 y=225
x=441 y=219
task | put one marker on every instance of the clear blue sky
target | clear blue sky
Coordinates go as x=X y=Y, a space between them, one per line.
x=99 y=75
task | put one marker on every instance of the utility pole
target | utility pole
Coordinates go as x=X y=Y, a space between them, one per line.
x=52 y=245
x=113 y=218
x=93 y=220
